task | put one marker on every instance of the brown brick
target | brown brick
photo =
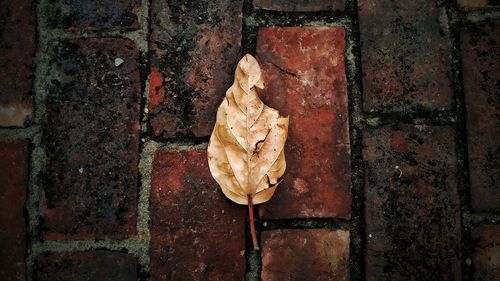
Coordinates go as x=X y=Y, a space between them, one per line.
x=17 y=48
x=195 y=47
x=412 y=207
x=97 y=265
x=299 y=5
x=91 y=138
x=13 y=186
x=196 y=232
x=481 y=76
x=305 y=254
x=478 y=4
x=92 y=14
x=405 y=55
x=304 y=76
x=486 y=256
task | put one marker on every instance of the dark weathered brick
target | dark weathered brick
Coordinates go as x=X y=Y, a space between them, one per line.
x=195 y=46
x=486 y=256
x=92 y=14
x=92 y=266
x=13 y=187
x=305 y=254
x=17 y=48
x=196 y=232
x=304 y=77
x=481 y=78
x=478 y=4
x=91 y=138
x=405 y=54
x=299 y=5
x=412 y=207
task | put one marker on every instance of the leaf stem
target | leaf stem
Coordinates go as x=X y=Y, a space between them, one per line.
x=252 y=224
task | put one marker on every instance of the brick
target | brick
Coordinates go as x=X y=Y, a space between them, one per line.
x=17 y=48
x=91 y=137
x=13 y=186
x=304 y=76
x=486 y=255
x=92 y=14
x=412 y=206
x=481 y=73
x=91 y=265
x=477 y=4
x=405 y=55
x=299 y=5
x=195 y=47
x=196 y=232
x=305 y=254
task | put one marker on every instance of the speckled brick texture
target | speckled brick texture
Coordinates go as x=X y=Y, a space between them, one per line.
x=305 y=254
x=196 y=232
x=13 y=190
x=91 y=265
x=486 y=255
x=195 y=46
x=304 y=77
x=299 y=5
x=405 y=55
x=107 y=106
x=93 y=15
x=91 y=135
x=17 y=49
x=412 y=211
x=481 y=73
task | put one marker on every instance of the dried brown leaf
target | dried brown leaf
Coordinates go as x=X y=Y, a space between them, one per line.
x=246 y=150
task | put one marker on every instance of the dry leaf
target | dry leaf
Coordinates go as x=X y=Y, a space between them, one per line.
x=246 y=150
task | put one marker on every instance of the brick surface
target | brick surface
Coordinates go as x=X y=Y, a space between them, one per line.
x=17 y=48
x=486 y=256
x=299 y=5
x=304 y=77
x=91 y=138
x=195 y=46
x=90 y=266
x=405 y=55
x=92 y=14
x=13 y=186
x=481 y=76
x=305 y=254
x=196 y=232
x=478 y=4
x=412 y=206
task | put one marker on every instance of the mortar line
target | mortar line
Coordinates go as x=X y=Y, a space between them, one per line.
x=146 y=149
x=481 y=15
x=455 y=20
x=356 y=123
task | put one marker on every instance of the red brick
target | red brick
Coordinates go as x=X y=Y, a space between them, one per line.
x=299 y=5
x=13 y=186
x=486 y=256
x=93 y=14
x=478 y=4
x=17 y=48
x=91 y=137
x=304 y=77
x=405 y=55
x=196 y=232
x=195 y=47
x=305 y=254
x=481 y=73
x=411 y=204
x=92 y=265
